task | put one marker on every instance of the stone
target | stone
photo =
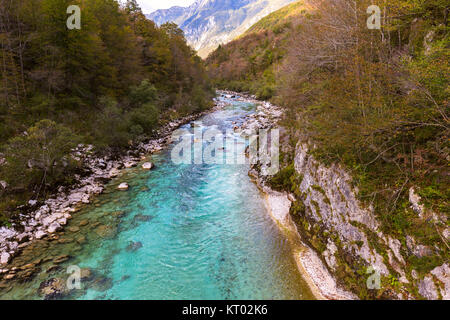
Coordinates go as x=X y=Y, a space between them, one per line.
x=61 y=259
x=134 y=246
x=9 y=276
x=86 y=274
x=81 y=239
x=427 y=288
x=4 y=258
x=32 y=202
x=3 y=184
x=123 y=186
x=23 y=237
x=329 y=254
x=414 y=200
x=74 y=229
x=419 y=251
x=142 y=218
x=40 y=234
x=147 y=166
x=55 y=226
x=442 y=274
x=53 y=268
x=105 y=231
x=83 y=223
x=51 y=289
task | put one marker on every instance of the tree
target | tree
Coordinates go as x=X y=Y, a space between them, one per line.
x=39 y=156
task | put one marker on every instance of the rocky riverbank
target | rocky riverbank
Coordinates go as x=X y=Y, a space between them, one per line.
x=338 y=233
x=40 y=220
x=322 y=283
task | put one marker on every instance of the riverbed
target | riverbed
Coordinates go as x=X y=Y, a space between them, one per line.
x=189 y=231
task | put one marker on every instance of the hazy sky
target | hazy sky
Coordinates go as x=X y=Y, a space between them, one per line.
x=151 y=5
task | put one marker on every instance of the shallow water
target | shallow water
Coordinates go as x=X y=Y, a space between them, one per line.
x=180 y=232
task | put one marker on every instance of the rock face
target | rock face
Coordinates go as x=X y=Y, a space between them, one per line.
x=326 y=208
x=330 y=202
x=209 y=23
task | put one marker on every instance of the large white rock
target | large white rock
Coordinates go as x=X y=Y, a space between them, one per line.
x=415 y=200
x=3 y=184
x=147 y=166
x=40 y=234
x=123 y=186
x=4 y=258
x=55 y=226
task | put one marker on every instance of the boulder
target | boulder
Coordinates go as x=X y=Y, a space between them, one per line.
x=415 y=200
x=129 y=164
x=427 y=288
x=142 y=218
x=123 y=186
x=52 y=289
x=40 y=234
x=86 y=274
x=442 y=274
x=55 y=226
x=105 y=231
x=4 y=258
x=134 y=246
x=147 y=166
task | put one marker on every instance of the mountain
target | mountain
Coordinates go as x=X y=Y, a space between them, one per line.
x=209 y=23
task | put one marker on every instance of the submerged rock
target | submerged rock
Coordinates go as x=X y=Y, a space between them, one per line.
x=61 y=259
x=134 y=246
x=102 y=283
x=105 y=231
x=86 y=274
x=142 y=218
x=52 y=289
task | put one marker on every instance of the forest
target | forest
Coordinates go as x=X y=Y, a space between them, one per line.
x=111 y=83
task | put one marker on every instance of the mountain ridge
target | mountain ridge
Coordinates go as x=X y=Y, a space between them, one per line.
x=210 y=23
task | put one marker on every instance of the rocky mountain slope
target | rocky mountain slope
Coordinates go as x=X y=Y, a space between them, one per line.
x=209 y=23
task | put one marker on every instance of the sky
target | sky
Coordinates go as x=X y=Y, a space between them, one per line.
x=152 y=5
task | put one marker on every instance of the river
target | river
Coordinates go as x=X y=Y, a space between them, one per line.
x=180 y=232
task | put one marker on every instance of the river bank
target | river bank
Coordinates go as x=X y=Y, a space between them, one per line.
x=41 y=220
x=179 y=232
x=322 y=284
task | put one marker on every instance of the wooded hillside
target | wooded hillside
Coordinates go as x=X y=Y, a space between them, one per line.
x=111 y=82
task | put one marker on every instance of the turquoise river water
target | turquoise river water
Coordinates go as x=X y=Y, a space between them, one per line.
x=179 y=232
